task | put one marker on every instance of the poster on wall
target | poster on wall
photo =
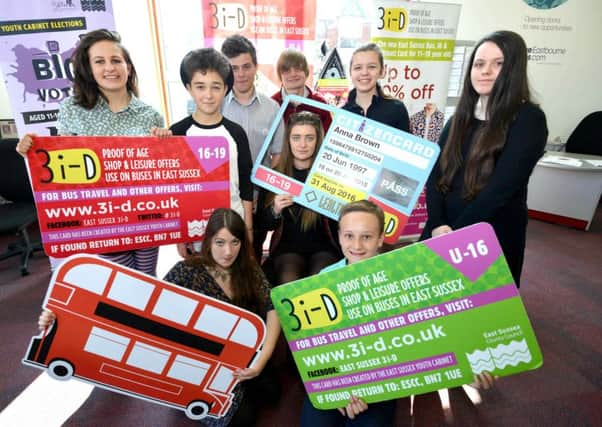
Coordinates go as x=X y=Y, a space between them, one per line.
x=332 y=82
x=418 y=319
x=131 y=333
x=272 y=26
x=417 y=40
x=418 y=51
x=549 y=30
x=37 y=39
x=98 y=194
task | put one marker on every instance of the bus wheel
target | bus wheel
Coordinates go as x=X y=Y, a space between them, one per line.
x=197 y=410
x=60 y=369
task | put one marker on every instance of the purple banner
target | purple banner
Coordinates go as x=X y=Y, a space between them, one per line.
x=410 y=318
x=394 y=371
x=209 y=151
x=37 y=39
x=467 y=253
x=148 y=190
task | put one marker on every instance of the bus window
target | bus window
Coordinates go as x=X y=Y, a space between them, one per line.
x=174 y=307
x=245 y=334
x=216 y=322
x=147 y=357
x=131 y=291
x=189 y=370
x=91 y=277
x=222 y=380
x=106 y=344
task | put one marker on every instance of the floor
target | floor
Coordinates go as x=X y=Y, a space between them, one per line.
x=561 y=289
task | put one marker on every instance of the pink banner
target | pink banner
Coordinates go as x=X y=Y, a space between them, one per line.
x=141 y=192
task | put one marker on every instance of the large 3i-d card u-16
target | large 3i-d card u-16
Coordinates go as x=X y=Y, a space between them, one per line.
x=421 y=318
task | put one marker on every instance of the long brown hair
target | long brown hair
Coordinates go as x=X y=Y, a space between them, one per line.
x=246 y=274
x=510 y=91
x=285 y=165
x=85 y=88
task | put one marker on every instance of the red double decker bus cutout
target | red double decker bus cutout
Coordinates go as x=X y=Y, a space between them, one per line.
x=137 y=335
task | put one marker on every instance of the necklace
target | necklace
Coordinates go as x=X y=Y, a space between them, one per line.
x=219 y=274
x=222 y=279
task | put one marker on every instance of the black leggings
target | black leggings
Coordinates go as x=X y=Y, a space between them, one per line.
x=291 y=266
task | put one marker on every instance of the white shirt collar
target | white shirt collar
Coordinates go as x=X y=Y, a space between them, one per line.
x=232 y=96
x=480 y=109
x=305 y=92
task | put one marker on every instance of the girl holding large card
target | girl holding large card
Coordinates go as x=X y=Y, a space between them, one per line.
x=226 y=270
x=304 y=242
x=105 y=103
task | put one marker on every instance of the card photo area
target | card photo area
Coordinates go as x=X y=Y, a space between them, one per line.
x=295 y=108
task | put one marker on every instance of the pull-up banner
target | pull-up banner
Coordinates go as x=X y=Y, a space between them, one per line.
x=37 y=40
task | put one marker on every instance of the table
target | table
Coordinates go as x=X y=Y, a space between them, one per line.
x=565 y=188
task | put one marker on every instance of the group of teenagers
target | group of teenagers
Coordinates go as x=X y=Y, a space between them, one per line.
x=488 y=151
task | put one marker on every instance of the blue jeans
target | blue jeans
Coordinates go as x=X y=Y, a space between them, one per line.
x=377 y=415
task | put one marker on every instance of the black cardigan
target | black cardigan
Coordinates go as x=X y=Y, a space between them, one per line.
x=387 y=111
x=503 y=201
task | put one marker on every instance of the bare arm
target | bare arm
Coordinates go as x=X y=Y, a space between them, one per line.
x=248 y=208
x=273 y=332
x=25 y=144
x=46 y=319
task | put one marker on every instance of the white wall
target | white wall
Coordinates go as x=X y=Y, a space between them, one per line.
x=132 y=22
x=5 y=110
x=567 y=86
